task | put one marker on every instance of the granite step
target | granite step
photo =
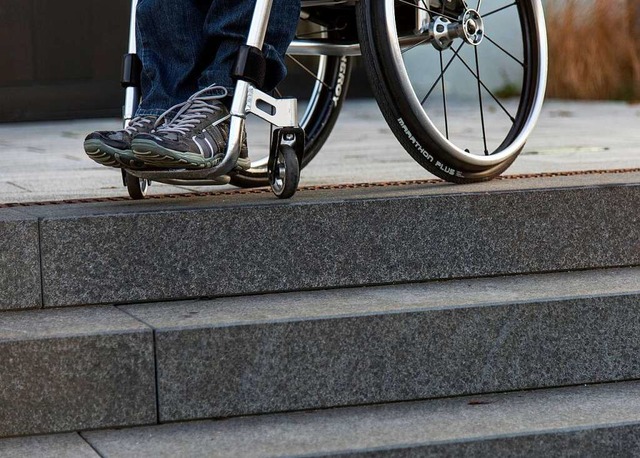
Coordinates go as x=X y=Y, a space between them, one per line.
x=74 y=368
x=79 y=368
x=586 y=421
x=237 y=244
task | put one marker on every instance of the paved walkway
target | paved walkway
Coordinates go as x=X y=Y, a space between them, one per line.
x=45 y=161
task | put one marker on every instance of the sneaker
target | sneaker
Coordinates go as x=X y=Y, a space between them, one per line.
x=113 y=148
x=196 y=137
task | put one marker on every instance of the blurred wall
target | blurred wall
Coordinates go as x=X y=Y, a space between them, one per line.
x=61 y=58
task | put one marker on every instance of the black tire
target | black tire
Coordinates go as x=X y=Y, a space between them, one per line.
x=285 y=176
x=135 y=186
x=411 y=122
x=317 y=122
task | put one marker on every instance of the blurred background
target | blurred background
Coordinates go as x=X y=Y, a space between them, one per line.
x=60 y=59
x=594 y=49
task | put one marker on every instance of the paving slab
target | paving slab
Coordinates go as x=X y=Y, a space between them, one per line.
x=230 y=245
x=71 y=369
x=45 y=161
x=271 y=353
x=591 y=421
x=20 y=281
x=53 y=446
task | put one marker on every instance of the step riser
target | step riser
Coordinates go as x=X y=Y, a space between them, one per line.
x=280 y=247
x=101 y=378
x=108 y=376
x=270 y=367
x=20 y=283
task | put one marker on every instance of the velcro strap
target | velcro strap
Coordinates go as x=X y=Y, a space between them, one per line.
x=251 y=66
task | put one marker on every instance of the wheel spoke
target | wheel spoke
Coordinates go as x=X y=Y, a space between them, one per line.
x=499 y=9
x=442 y=74
x=513 y=120
x=444 y=97
x=303 y=67
x=489 y=142
x=505 y=51
x=416 y=45
x=319 y=32
x=484 y=129
x=427 y=9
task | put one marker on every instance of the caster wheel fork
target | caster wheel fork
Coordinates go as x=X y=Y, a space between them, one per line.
x=137 y=187
x=285 y=175
x=284 y=163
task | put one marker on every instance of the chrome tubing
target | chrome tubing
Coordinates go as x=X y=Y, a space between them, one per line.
x=255 y=38
x=132 y=94
x=323 y=47
x=131 y=102
x=132 y=28
x=259 y=23
x=330 y=48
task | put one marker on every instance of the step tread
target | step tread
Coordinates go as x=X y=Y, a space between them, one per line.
x=319 y=196
x=326 y=304
x=69 y=445
x=66 y=322
x=500 y=418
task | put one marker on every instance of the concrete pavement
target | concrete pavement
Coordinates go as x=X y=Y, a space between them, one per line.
x=45 y=161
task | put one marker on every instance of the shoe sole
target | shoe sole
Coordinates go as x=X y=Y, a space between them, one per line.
x=111 y=157
x=150 y=153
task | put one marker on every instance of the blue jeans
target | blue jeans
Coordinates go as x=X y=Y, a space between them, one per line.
x=188 y=45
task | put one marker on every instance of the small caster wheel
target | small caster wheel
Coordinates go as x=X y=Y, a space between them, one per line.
x=137 y=187
x=284 y=175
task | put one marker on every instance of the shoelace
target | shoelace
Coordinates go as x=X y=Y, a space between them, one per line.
x=190 y=113
x=139 y=122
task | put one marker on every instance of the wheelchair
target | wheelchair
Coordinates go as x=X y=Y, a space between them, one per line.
x=461 y=84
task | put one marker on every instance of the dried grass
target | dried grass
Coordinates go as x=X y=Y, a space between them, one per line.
x=594 y=49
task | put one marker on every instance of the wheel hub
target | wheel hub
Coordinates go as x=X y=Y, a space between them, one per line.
x=279 y=173
x=469 y=27
x=472 y=27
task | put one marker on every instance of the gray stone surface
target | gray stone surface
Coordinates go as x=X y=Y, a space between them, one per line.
x=579 y=421
x=20 y=285
x=53 y=446
x=45 y=161
x=239 y=356
x=352 y=302
x=620 y=440
x=72 y=369
x=222 y=246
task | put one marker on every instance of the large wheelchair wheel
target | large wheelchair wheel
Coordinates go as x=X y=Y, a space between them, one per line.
x=324 y=81
x=461 y=85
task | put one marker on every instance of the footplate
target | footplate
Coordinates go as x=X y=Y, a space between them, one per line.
x=278 y=112
x=183 y=177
